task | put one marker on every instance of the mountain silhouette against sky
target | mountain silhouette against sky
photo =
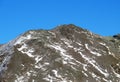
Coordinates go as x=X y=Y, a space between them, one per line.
x=67 y=53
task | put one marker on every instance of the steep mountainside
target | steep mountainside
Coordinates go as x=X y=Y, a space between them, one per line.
x=65 y=54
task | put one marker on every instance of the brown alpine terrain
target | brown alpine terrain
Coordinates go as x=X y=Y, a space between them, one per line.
x=66 y=53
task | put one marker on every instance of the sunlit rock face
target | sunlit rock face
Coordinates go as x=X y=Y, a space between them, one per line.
x=65 y=54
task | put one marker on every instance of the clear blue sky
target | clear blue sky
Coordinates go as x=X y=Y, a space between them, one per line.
x=17 y=16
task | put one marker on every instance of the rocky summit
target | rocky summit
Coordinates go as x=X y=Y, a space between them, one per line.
x=66 y=53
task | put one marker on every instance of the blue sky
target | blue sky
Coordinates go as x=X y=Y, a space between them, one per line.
x=17 y=16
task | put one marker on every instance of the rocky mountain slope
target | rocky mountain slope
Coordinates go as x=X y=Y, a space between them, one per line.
x=65 y=54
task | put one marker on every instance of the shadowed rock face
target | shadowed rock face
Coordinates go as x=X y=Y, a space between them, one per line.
x=65 y=54
x=117 y=36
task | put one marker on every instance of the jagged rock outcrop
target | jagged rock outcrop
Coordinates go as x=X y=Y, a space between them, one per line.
x=65 y=54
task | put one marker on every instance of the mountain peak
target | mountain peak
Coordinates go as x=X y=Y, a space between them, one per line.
x=65 y=54
x=68 y=27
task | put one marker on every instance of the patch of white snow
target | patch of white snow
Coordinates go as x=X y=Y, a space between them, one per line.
x=28 y=51
x=92 y=52
x=95 y=65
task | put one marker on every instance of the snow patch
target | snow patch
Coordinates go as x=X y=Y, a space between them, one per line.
x=68 y=44
x=42 y=66
x=116 y=74
x=56 y=74
x=33 y=80
x=79 y=43
x=102 y=44
x=109 y=52
x=52 y=33
x=24 y=49
x=62 y=51
x=95 y=65
x=96 y=77
x=92 y=52
x=84 y=73
x=20 y=79
x=28 y=73
x=22 y=38
x=38 y=58
x=84 y=67
x=50 y=78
